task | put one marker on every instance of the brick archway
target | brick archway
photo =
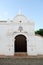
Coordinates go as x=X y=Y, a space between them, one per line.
x=20 y=43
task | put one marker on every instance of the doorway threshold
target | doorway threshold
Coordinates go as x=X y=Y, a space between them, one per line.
x=20 y=54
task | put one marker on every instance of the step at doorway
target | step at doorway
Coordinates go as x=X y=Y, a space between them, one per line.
x=20 y=54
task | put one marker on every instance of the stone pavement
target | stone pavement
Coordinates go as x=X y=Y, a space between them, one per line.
x=21 y=61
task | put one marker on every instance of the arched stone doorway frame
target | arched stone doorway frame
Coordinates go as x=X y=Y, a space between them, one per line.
x=16 y=34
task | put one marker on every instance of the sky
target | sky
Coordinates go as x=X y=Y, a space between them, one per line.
x=32 y=9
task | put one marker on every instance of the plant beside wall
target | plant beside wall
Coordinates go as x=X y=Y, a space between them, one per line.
x=39 y=32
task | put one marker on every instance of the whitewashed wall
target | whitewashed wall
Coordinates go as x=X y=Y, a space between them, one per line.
x=39 y=44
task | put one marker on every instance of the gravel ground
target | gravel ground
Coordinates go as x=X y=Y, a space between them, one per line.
x=21 y=61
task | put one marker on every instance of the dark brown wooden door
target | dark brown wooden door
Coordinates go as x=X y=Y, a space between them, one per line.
x=20 y=43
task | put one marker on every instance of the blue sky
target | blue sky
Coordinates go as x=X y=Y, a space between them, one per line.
x=32 y=9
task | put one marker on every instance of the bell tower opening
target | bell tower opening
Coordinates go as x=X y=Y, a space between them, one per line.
x=20 y=43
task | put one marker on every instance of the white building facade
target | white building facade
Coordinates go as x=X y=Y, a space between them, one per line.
x=18 y=35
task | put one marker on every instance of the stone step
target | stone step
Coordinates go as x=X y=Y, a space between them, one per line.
x=20 y=54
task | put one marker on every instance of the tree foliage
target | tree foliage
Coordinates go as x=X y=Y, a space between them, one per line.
x=39 y=32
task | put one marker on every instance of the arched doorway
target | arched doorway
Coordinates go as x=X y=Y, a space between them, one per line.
x=20 y=43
